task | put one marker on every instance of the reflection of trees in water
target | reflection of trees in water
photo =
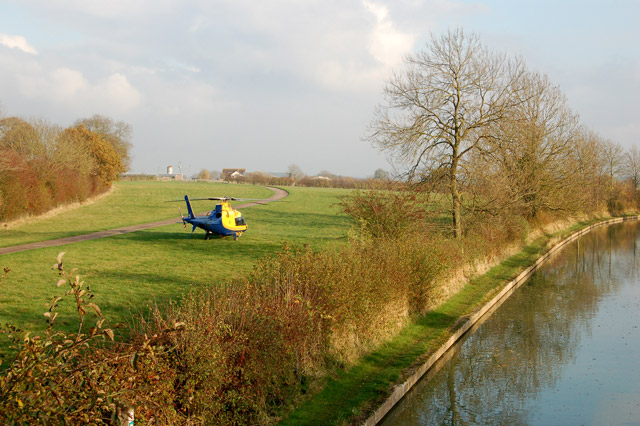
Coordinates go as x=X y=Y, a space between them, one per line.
x=528 y=341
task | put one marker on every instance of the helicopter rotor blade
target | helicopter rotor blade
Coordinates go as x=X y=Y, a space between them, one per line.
x=225 y=199
x=216 y=199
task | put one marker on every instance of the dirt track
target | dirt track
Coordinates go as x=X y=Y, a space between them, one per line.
x=278 y=195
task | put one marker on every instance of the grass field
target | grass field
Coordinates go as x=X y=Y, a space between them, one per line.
x=130 y=203
x=131 y=271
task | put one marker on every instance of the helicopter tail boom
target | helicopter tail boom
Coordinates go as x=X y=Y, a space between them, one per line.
x=191 y=215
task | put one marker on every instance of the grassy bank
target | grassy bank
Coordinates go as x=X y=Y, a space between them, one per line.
x=349 y=396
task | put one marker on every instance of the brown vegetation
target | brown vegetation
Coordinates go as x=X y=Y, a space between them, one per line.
x=43 y=166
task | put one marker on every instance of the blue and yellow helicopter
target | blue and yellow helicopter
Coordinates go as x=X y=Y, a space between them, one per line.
x=223 y=220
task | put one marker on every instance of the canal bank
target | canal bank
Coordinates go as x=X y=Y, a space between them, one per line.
x=466 y=323
x=350 y=395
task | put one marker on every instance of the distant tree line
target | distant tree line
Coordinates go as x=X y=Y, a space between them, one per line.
x=43 y=165
x=498 y=138
x=296 y=177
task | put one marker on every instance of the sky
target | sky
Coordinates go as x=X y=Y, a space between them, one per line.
x=265 y=84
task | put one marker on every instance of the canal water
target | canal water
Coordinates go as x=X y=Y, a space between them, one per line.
x=564 y=349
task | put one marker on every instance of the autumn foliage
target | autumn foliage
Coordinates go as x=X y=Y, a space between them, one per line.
x=43 y=166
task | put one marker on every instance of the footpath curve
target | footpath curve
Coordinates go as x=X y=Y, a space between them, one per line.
x=400 y=390
x=278 y=195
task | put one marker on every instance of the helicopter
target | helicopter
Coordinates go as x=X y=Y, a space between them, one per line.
x=223 y=220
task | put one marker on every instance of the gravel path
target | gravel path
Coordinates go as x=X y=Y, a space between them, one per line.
x=278 y=195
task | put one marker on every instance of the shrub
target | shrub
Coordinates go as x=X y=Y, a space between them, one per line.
x=387 y=213
x=82 y=377
x=250 y=347
x=238 y=358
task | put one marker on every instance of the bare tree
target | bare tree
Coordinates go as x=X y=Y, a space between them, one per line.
x=21 y=136
x=204 y=174
x=632 y=165
x=381 y=174
x=441 y=106
x=613 y=161
x=296 y=172
x=587 y=153
x=534 y=146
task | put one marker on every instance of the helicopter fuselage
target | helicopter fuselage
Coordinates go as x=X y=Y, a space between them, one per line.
x=223 y=220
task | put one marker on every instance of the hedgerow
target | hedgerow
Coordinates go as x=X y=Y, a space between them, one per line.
x=42 y=166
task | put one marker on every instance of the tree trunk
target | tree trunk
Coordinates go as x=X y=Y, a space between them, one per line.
x=456 y=201
x=455 y=195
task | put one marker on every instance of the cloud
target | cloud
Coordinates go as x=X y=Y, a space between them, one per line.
x=36 y=87
x=359 y=58
x=16 y=41
x=388 y=45
x=118 y=92
x=200 y=22
x=67 y=83
x=113 y=93
x=110 y=8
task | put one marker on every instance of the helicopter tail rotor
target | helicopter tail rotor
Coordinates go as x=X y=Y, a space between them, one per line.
x=184 y=223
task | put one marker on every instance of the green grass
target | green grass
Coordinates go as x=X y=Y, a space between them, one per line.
x=131 y=271
x=130 y=203
x=354 y=393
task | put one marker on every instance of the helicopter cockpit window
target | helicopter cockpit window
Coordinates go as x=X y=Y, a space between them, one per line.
x=240 y=221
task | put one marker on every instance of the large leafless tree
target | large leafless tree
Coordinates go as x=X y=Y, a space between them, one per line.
x=440 y=106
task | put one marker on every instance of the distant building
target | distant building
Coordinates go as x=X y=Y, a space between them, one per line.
x=232 y=174
x=171 y=176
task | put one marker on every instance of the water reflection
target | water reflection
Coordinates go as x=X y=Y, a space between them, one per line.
x=561 y=350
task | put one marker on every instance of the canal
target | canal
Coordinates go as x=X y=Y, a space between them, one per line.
x=564 y=349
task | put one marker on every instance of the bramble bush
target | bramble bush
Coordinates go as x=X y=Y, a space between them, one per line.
x=250 y=348
x=83 y=377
